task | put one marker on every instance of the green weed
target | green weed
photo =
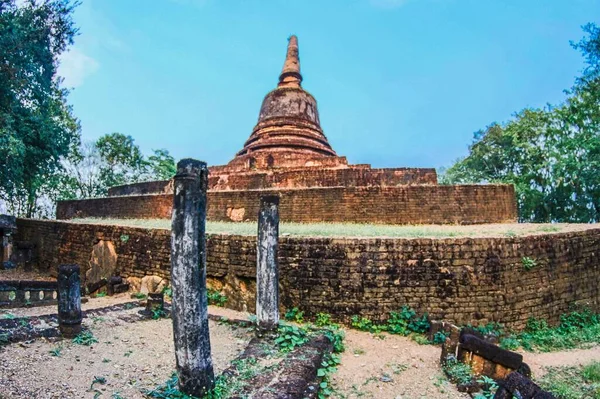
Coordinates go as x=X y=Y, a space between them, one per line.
x=215 y=297
x=458 y=372
x=528 y=263
x=139 y=295
x=290 y=337
x=571 y=382
x=85 y=338
x=56 y=350
x=294 y=315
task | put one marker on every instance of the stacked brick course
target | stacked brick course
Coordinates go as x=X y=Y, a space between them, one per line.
x=384 y=205
x=467 y=280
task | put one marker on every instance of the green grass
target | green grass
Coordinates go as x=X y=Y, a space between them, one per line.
x=351 y=229
x=573 y=382
x=575 y=330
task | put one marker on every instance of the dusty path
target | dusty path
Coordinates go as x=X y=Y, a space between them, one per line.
x=573 y=357
x=393 y=368
x=131 y=356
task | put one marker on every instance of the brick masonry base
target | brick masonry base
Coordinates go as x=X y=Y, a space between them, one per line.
x=460 y=280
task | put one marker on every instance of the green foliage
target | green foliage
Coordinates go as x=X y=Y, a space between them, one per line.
x=574 y=330
x=528 y=263
x=56 y=351
x=124 y=238
x=100 y=294
x=365 y=324
x=328 y=367
x=139 y=295
x=85 y=338
x=459 y=373
x=489 y=388
x=215 y=297
x=551 y=155
x=162 y=165
x=168 y=291
x=406 y=321
x=323 y=319
x=294 y=315
x=158 y=313
x=169 y=390
x=420 y=339
x=492 y=328
x=440 y=337
x=591 y=372
x=290 y=337
x=37 y=127
x=510 y=343
x=572 y=382
x=336 y=336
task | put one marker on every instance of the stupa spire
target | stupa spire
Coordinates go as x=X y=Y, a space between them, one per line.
x=290 y=75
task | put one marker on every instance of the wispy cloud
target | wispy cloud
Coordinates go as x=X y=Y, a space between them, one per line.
x=388 y=3
x=75 y=66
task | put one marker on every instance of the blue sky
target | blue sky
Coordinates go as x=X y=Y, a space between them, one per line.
x=398 y=82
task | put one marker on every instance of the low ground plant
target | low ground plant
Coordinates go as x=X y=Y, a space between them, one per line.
x=215 y=297
x=85 y=338
x=294 y=315
x=573 y=382
x=290 y=337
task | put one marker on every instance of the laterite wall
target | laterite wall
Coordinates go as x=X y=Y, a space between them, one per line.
x=460 y=280
x=464 y=204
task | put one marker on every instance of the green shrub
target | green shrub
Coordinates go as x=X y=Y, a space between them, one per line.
x=323 y=319
x=458 y=372
x=528 y=263
x=294 y=315
x=440 y=337
x=571 y=382
x=85 y=338
x=591 y=372
x=290 y=337
x=215 y=297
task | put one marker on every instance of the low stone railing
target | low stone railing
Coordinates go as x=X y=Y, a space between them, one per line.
x=18 y=293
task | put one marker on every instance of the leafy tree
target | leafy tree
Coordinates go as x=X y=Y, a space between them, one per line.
x=114 y=159
x=551 y=155
x=162 y=165
x=37 y=127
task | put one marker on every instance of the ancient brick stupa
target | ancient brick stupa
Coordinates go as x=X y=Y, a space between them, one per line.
x=288 y=154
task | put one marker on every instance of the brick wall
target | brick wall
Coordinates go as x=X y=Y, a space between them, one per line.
x=318 y=177
x=464 y=204
x=460 y=280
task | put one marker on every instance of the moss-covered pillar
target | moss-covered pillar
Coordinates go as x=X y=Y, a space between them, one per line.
x=188 y=279
x=267 y=266
x=69 y=300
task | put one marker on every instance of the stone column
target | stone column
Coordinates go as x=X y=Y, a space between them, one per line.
x=188 y=279
x=69 y=300
x=267 y=265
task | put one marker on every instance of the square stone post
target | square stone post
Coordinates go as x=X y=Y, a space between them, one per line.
x=188 y=279
x=69 y=300
x=267 y=265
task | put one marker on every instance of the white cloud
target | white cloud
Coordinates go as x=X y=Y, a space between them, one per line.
x=388 y=3
x=75 y=66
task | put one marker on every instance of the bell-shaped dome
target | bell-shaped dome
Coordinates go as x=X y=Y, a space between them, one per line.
x=289 y=119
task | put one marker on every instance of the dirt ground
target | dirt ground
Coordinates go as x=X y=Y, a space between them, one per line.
x=134 y=356
x=130 y=356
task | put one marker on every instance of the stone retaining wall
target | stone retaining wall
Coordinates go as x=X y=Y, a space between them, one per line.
x=463 y=204
x=460 y=280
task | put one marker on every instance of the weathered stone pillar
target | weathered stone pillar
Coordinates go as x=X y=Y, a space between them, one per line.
x=69 y=300
x=188 y=279
x=267 y=266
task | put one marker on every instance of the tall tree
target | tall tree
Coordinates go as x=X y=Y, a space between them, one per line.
x=114 y=159
x=551 y=155
x=37 y=127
